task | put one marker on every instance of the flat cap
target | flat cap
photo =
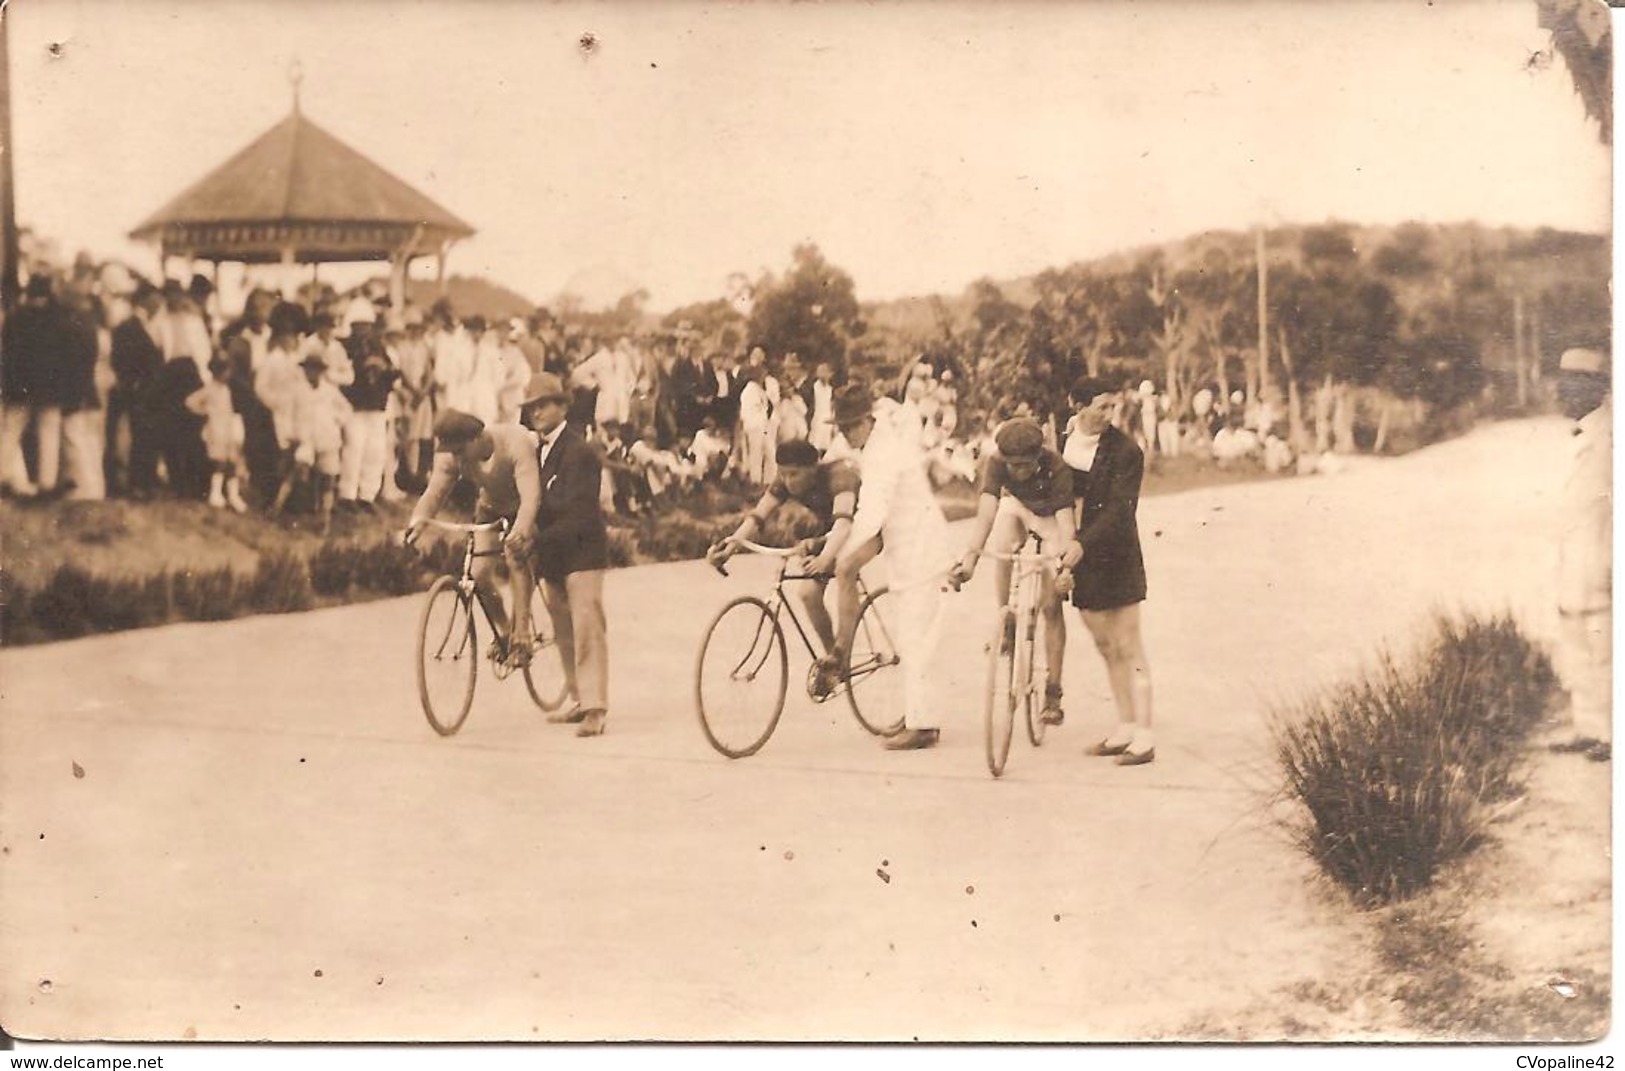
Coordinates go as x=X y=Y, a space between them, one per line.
x=1019 y=439
x=454 y=427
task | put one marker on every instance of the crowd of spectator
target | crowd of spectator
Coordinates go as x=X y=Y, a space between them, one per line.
x=114 y=386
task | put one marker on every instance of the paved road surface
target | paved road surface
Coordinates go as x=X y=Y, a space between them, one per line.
x=268 y=841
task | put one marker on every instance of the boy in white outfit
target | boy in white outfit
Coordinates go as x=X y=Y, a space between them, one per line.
x=222 y=434
x=318 y=413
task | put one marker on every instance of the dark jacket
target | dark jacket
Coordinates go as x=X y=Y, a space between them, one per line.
x=30 y=353
x=81 y=347
x=570 y=536
x=375 y=376
x=136 y=359
x=1112 y=572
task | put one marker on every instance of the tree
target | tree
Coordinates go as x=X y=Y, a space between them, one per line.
x=812 y=311
x=1582 y=35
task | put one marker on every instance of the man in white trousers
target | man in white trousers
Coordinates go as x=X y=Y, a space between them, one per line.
x=896 y=511
x=1585 y=554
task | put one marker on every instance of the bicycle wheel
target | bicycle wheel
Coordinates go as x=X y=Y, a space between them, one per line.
x=448 y=656
x=545 y=678
x=874 y=675
x=1030 y=671
x=999 y=716
x=740 y=679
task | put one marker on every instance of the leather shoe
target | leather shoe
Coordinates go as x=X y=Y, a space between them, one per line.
x=592 y=724
x=1105 y=749
x=911 y=740
x=573 y=716
x=1136 y=758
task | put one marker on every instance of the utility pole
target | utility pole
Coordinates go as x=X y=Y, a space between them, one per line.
x=1263 y=321
x=8 y=205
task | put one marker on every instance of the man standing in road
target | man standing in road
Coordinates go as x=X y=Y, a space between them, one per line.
x=897 y=510
x=1585 y=563
x=572 y=551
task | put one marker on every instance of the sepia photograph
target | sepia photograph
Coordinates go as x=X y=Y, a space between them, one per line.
x=1083 y=522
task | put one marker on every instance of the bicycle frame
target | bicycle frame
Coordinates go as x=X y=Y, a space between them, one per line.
x=778 y=603
x=465 y=579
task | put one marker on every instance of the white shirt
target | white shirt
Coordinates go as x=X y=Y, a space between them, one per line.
x=896 y=501
x=547 y=442
x=1585 y=563
x=1080 y=448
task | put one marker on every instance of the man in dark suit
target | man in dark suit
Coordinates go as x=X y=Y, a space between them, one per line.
x=137 y=360
x=572 y=551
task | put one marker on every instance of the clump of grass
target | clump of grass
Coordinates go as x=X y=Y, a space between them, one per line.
x=206 y=595
x=388 y=568
x=333 y=568
x=1395 y=770
x=280 y=585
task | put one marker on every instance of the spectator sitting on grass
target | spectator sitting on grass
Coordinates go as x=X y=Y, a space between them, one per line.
x=1235 y=442
x=659 y=469
x=624 y=489
x=711 y=449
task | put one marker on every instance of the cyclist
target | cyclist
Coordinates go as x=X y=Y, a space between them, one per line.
x=1025 y=487
x=500 y=460
x=829 y=489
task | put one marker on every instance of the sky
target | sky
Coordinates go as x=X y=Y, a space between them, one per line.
x=921 y=146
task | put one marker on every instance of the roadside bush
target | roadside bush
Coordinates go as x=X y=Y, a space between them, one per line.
x=388 y=568
x=623 y=548
x=281 y=585
x=332 y=569
x=1395 y=770
x=209 y=595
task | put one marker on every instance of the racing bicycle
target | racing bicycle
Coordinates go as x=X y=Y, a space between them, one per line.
x=449 y=644
x=742 y=673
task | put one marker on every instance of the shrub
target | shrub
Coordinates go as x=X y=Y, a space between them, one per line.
x=388 y=568
x=281 y=585
x=332 y=569
x=210 y=595
x=623 y=548
x=66 y=606
x=1394 y=770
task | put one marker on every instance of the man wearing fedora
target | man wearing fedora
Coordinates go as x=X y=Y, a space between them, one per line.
x=897 y=511
x=1585 y=553
x=500 y=460
x=572 y=551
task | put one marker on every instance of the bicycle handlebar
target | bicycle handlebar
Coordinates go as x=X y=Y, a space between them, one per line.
x=498 y=525
x=772 y=552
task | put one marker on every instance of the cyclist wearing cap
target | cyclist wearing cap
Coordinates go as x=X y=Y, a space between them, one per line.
x=500 y=460
x=1023 y=488
x=829 y=489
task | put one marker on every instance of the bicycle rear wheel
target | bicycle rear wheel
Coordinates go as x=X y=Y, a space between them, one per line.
x=874 y=675
x=545 y=677
x=999 y=715
x=1030 y=672
x=740 y=678
x=448 y=656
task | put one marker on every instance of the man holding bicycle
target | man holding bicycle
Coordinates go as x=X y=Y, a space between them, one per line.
x=500 y=460
x=1026 y=488
x=829 y=489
